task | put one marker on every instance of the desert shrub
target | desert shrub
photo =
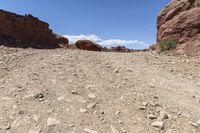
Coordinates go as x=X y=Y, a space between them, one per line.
x=167 y=44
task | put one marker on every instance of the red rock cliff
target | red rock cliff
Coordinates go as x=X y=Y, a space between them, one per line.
x=27 y=31
x=180 y=20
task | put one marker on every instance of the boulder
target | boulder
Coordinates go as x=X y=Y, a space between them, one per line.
x=120 y=49
x=88 y=45
x=180 y=21
x=27 y=31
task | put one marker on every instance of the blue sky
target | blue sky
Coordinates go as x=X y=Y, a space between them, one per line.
x=108 y=22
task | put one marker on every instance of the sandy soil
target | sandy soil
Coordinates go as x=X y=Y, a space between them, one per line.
x=73 y=91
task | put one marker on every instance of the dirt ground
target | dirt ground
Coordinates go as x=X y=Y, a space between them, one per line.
x=74 y=91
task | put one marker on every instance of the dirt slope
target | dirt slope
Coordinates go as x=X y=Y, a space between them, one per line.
x=72 y=91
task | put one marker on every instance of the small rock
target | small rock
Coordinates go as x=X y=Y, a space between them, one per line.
x=116 y=71
x=144 y=104
x=102 y=112
x=198 y=122
x=36 y=118
x=156 y=97
x=120 y=122
x=60 y=98
x=124 y=131
x=6 y=127
x=91 y=105
x=52 y=122
x=193 y=124
x=163 y=115
x=152 y=86
x=89 y=130
x=35 y=130
x=74 y=74
x=198 y=84
x=151 y=116
x=71 y=125
x=92 y=96
x=158 y=124
x=142 y=108
x=74 y=92
x=83 y=110
x=122 y=98
x=114 y=130
x=198 y=101
x=179 y=113
x=117 y=112
x=39 y=95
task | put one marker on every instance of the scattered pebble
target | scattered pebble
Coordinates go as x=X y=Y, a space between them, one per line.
x=120 y=122
x=198 y=84
x=114 y=130
x=74 y=92
x=198 y=122
x=117 y=112
x=89 y=130
x=116 y=71
x=52 y=122
x=144 y=103
x=91 y=105
x=5 y=127
x=179 y=113
x=142 y=108
x=71 y=125
x=151 y=116
x=92 y=96
x=158 y=124
x=83 y=110
x=163 y=115
x=193 y=124
x=152 y=86
x=39 y=95
x=35 y=130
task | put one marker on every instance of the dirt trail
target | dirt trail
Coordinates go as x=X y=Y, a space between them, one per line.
x=72 y=91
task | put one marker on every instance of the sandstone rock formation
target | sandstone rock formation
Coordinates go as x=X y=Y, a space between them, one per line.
x=88 y=45
x=180 y=21
x=27 y=31
x=120 y=49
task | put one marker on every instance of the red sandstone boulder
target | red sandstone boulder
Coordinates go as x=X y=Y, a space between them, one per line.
x=180 y=21
x=88 y=45
x=27 y=31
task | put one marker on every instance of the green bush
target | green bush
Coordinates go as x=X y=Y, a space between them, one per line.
x=167 y=44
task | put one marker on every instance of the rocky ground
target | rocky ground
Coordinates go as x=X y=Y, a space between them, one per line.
x=73 y=91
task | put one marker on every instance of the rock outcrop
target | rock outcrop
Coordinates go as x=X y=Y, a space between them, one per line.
x=88 y=45
x=27 y=31
x=120 y=49
x=180 y=21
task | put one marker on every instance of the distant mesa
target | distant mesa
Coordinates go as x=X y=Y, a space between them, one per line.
x=180 y=21
x=27 y=31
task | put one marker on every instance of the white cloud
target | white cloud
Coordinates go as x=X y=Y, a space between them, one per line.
x=106 y=43
x=74 y=38
x=120 y=42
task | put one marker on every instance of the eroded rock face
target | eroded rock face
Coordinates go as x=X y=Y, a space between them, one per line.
x=88 y=45
x=180 y=21
x=27 y=31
